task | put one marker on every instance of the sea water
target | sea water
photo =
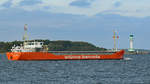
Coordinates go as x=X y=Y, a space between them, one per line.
x=134 y=69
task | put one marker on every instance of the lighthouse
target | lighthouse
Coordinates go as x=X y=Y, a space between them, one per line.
x=131 y=49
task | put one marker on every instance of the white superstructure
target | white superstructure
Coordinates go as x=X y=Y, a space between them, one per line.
x=28 y=47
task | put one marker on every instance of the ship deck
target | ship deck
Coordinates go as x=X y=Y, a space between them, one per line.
x=80 y=52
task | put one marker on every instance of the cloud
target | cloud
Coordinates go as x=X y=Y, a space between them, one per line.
x=16 y=2
x=2 y=2
x=80 y=3
x=117 y=4
x=134 y=8
x=66 y=7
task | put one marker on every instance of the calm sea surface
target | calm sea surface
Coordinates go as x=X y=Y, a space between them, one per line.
x=134 y=70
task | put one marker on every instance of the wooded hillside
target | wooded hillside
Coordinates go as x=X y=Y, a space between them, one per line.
x=56 y=46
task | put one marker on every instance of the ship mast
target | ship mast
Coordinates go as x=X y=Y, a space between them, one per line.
x=115 y=37
x=25 y=36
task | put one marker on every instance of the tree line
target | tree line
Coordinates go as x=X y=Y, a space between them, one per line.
x=60 y=45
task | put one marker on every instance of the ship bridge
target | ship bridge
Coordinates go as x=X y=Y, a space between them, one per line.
x=28 y=47
x=32 y=45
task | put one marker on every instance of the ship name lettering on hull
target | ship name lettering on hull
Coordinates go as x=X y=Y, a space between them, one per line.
x=82 y=57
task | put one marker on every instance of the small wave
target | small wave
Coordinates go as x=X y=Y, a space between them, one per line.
x=127 y=58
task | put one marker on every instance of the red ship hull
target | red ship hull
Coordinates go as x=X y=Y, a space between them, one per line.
x=50 y=56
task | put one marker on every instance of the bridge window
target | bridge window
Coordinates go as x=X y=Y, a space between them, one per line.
x=36 y=43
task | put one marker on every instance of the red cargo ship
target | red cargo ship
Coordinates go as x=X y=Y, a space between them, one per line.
x=35 y=51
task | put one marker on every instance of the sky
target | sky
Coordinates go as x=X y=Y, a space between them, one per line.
x=92 y=21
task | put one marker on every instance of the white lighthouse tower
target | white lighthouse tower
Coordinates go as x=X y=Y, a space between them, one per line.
x=131 y=49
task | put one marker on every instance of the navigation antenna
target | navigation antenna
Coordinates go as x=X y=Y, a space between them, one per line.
x=25 y=36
